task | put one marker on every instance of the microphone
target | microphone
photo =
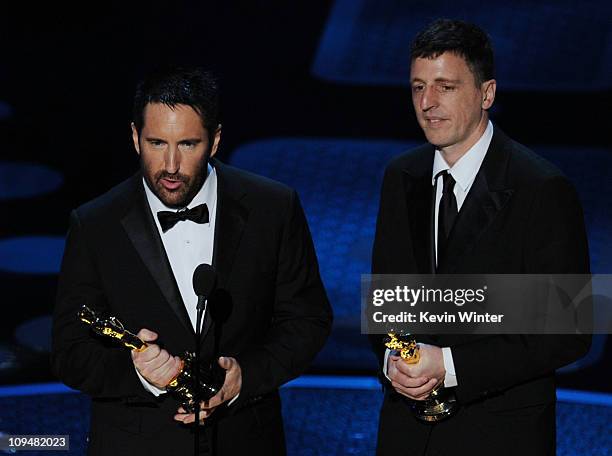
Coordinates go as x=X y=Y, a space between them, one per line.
x=204 y=283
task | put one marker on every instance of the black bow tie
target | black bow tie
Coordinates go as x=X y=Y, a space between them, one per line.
x=167 y=219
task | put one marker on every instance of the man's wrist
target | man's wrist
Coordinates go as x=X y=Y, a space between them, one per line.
x=149 y=386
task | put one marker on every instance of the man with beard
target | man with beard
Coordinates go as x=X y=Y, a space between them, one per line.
x=473 y=201
x=131 y=254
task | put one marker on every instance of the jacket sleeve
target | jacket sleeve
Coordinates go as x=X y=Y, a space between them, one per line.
x=301 y=317
x=382 y=236
x=80 y=359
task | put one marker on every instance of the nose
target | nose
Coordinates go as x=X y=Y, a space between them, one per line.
x=429 y=99
x=172 y=160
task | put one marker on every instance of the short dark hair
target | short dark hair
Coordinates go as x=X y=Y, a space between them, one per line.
x=174 y=85
x=461 y=38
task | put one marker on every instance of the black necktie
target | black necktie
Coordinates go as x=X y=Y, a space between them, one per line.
x=167 y=219
x=447 y=213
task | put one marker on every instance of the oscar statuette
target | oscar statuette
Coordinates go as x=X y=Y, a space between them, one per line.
x=182 y=385
x=441 y=402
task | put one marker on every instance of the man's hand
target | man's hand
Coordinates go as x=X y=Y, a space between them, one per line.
x=416 y=381
x=157 y=366
x=230 y=389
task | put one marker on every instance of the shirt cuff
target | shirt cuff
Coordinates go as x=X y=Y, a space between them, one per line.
x=233 y=399
x=148 y=386
x=385 y=362
x=450 y=379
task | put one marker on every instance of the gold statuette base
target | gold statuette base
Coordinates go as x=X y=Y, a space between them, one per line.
x=440 y=404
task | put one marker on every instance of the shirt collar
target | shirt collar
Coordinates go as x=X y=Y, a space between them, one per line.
x=465 y=169
x=205 y=195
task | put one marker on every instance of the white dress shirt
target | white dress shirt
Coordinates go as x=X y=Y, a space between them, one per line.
x=464 y=172
x=187 y=245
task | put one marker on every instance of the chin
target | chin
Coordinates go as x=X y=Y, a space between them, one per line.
x=174 y=200
x=436 y=140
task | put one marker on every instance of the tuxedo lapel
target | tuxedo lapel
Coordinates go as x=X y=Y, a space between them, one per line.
x=231 y=219
x=487 y=197
x=140 y=227
x=419 y=197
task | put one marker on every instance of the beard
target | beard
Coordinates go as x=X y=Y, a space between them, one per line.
x=180 y=197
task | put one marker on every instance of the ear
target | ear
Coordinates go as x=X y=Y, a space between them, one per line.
x=135 y=139
x=216 y=141
x=488 y=93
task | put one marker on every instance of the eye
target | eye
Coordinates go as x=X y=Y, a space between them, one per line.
x=417 y=88
x=156 y=143
x=447 y=88
x=188 y=145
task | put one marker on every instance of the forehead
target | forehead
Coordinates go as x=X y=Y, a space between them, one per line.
x=180 y=118
x=445 y=66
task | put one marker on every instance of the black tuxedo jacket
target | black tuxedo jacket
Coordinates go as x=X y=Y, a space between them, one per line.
x=521 y=216
x=277 y=316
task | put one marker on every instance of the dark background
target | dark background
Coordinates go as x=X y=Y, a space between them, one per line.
x=69 y=72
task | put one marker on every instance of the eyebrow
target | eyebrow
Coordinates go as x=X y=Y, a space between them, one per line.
x=189 y=140
x=452 y=81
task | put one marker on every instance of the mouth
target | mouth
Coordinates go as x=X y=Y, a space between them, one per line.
x=433 y=121
x=170 y=184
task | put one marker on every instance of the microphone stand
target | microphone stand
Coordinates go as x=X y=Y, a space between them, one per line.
x=201 y=310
